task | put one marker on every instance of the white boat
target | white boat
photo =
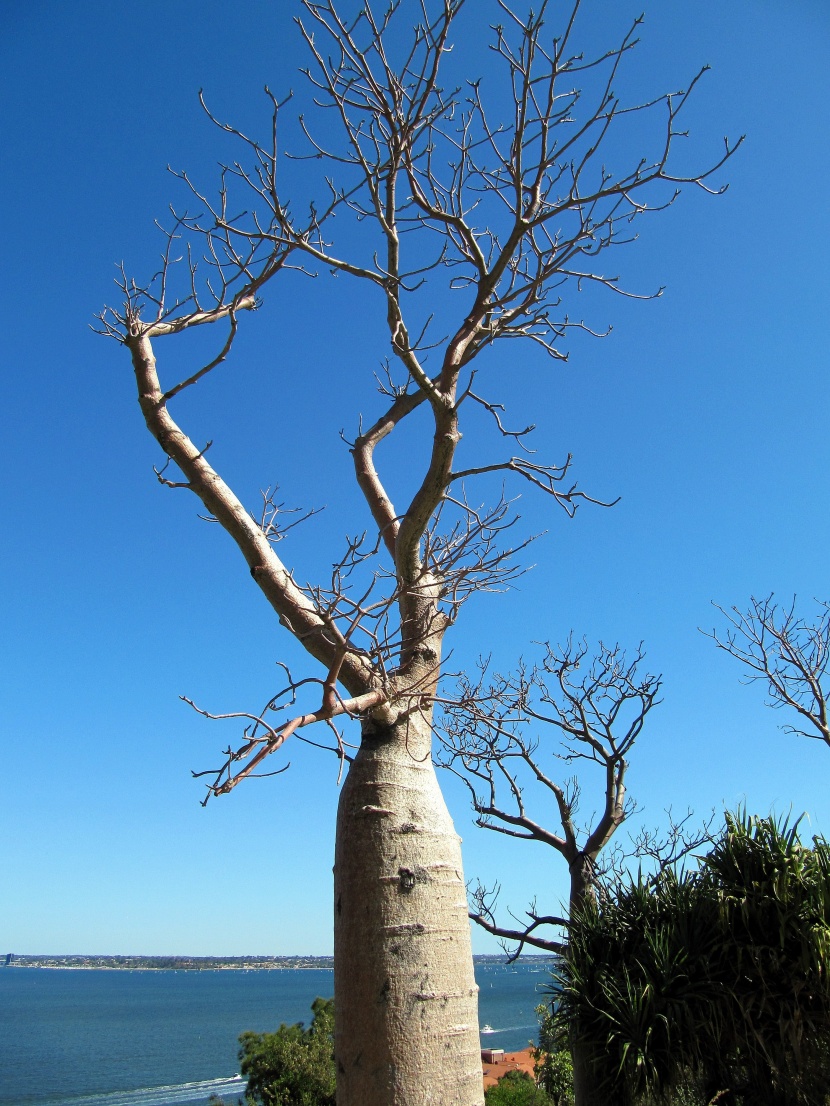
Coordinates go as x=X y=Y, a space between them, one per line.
x=487 y=1029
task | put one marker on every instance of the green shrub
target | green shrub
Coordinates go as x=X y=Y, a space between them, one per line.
x=712 y=981
x=515 y=1088
x=294 y=1066
x=553 y=1066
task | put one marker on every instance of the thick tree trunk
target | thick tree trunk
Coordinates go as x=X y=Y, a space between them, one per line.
x=582 y=890
x=406 y=999
x=584 y=1082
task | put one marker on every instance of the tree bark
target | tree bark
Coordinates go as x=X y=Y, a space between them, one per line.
x=405 y=993
x=584 y=1081
x=582 y=890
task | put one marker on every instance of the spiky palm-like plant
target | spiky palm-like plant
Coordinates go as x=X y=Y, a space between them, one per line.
x=715 y=980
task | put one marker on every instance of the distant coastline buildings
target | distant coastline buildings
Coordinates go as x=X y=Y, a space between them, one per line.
x=168 y=963
x=204 y=963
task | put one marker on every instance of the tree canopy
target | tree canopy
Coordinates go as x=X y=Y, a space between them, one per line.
x=293 y=1066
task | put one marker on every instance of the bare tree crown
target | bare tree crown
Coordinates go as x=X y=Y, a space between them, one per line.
x=471 y=219
x=788 y=652
x=503 y=736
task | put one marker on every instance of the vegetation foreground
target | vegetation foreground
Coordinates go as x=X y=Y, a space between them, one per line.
x=690 y=989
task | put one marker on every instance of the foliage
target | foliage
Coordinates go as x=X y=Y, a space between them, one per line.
x=553 y=1066
x=711 y=981
x=515 y=1088
x=294 y=1066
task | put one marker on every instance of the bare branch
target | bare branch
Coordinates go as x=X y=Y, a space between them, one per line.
x=787 y=651
x=656 y=851
x=591 y=708
x=483 y=904
x=477 y=209
x=262 y=739
x=270 y=518
x=545 y=477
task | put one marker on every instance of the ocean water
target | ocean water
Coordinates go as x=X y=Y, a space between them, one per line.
x=164 y=1038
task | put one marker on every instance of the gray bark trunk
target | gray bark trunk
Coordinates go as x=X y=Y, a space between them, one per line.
x=406 y=999
x=582 y=889
x=584 y=1082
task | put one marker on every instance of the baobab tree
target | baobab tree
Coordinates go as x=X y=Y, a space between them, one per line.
x=467 y=220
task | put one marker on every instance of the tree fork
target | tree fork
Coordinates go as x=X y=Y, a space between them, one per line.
x=512 y=231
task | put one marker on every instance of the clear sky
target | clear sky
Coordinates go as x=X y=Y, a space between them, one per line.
x=706 y=411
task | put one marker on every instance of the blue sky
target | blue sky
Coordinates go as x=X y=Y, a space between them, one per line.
x=706 y=411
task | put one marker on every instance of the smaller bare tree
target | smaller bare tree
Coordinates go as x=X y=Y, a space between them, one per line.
x=787 y=652
x=590 y=708
x=593 y=708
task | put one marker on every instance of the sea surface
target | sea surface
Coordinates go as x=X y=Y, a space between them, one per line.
x=169 y=1038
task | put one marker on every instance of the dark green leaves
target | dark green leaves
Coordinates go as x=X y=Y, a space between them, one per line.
x=711 y=980
x=294 y=1066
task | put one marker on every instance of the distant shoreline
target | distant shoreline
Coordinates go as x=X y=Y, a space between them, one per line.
x=182 y=968
x=170 y=963
x=200 y=963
